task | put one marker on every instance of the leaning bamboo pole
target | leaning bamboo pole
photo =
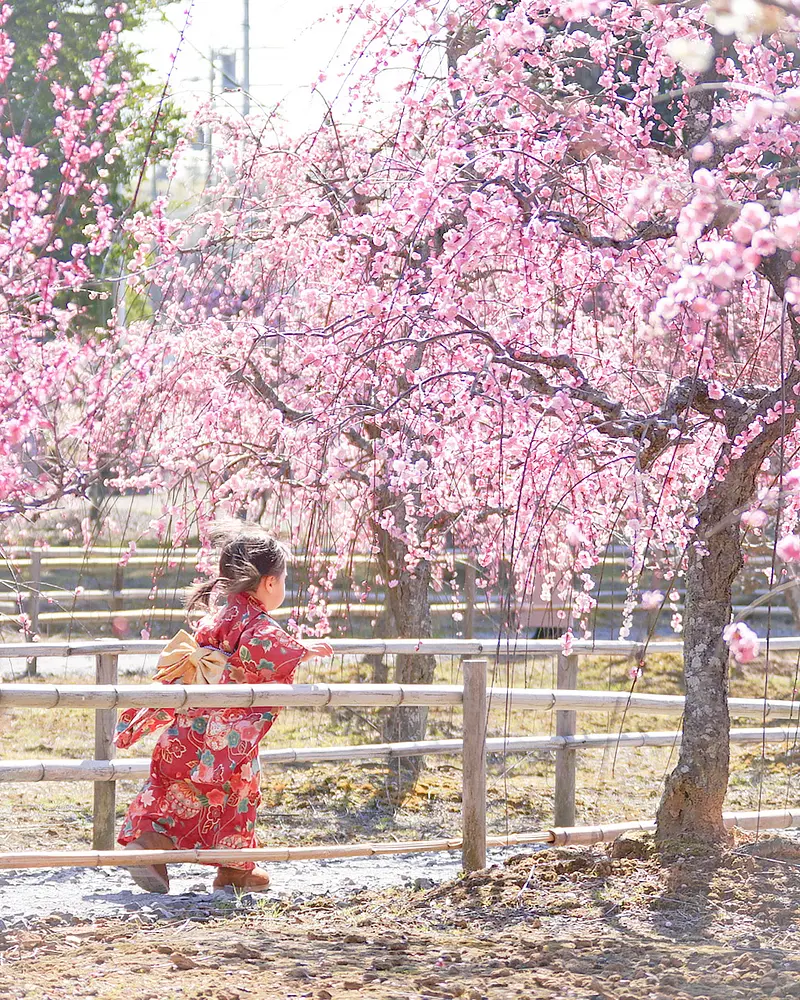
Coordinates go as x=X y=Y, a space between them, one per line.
x=178 y=696
x=776 y=819
x=135 y=768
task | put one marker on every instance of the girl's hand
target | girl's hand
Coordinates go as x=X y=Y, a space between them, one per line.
x=317 y=647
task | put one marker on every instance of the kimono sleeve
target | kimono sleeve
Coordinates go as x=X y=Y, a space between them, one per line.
x=134 y=723
x=267 y=655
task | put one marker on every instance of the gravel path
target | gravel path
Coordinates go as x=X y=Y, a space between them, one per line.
x=52 y=669
x=565 y=924
x=71 y=895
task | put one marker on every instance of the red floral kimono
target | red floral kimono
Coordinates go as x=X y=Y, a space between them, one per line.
x=203 y=790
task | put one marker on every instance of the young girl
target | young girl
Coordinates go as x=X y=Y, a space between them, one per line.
x=203 y=789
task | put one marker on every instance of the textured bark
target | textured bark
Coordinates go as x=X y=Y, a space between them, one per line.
x=378 y=664
x=691 y=805
x=409 y=615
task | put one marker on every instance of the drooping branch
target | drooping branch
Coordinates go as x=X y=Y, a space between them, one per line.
x=649 y=229
x=653 y=431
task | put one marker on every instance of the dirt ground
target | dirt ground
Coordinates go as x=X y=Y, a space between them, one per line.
x=601 y=924
x=617 y=923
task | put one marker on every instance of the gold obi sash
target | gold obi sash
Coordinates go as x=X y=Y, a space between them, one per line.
x=183 y=661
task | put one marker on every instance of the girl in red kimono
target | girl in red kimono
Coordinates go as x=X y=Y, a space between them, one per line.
x=203 y=789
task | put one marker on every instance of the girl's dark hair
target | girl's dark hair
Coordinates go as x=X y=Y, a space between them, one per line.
x=248 y=554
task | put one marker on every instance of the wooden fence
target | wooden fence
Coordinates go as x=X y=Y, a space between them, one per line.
x=107 y=695
x=32 y=593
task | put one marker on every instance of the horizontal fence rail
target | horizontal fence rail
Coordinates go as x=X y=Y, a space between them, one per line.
x=616 y=555
x=389 y=647
x=106 y=696
x=178 y=696
x=393 y=647
x=777 y=819
x=135 y=768
x=334 y=610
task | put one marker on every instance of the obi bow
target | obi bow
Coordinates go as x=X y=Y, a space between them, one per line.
x=182 y=661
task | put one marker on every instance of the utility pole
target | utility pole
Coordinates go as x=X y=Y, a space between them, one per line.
x=227 y=65
x=246 y=59
x=210 y=135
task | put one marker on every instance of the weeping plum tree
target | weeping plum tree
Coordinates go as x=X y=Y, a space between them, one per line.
x=543 y=295
x=547 y=292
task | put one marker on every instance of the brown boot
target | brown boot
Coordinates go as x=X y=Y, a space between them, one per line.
x=255 y=881
x=153 y=878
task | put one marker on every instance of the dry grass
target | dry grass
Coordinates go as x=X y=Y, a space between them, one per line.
x=340 y=802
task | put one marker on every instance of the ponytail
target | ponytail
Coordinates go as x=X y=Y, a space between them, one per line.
x=199 y=596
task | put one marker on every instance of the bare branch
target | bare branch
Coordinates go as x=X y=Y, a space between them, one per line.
x=650 y=229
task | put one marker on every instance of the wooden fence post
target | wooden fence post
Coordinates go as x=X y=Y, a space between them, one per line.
x=469 y=600
x=105 y=792
x=116 y=588
x=564 y=809
x=34 y=600
x=473 y=786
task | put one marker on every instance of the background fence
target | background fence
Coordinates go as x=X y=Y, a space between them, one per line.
x=108 y=589
x=107 y=695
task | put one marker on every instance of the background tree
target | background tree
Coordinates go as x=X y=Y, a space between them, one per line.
x=55 y=44
x=57 y=225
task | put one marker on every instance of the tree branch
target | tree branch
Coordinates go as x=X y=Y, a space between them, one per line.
x=655 y=431
x=650 y=229
x=259 y=385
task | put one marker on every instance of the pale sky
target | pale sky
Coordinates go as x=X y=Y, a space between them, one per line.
x=288 y=49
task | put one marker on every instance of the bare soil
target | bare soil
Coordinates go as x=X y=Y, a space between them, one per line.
x=622 y=923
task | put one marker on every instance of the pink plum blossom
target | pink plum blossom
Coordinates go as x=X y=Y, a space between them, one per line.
x=651 y=600
x=744 y=643
x=754 y=518
x=788 y=548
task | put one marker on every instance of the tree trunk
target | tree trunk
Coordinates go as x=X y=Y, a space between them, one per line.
x=409 y=614
x=691 y=805
x=379 y=668
x=410 y=610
